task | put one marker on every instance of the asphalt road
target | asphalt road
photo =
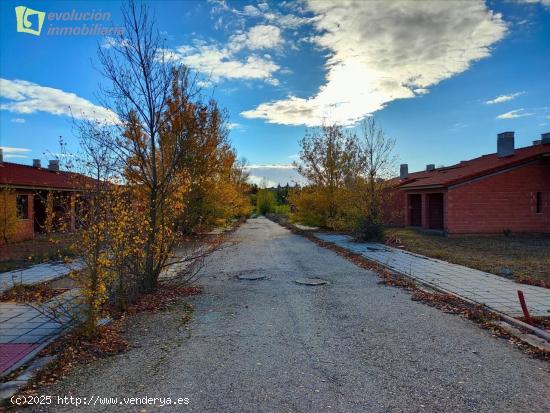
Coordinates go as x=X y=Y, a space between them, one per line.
x=275 y=346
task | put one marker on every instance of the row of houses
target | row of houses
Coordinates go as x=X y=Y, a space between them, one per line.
x=28 y=189
x=506 y=191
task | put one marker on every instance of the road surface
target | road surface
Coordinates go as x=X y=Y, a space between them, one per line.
x=273 y=345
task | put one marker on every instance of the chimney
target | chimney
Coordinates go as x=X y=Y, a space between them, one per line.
x=404 y=171
x=505 y=144
x=1 y=156
x=430 y=167
x=36 y=163
x=54 y=165
x=545 y=138
x=536 y=142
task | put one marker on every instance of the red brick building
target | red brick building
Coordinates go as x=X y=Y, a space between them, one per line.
x=505 y=191
x=27 y=188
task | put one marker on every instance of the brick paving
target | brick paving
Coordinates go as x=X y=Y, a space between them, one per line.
x=37 y=274
x=23 y=327
x=13 y=352
x=497 y=293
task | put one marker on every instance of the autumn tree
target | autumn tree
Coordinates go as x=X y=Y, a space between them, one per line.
x=215 y=177
x=330 y=161
x=140 y=96
x=378 y=165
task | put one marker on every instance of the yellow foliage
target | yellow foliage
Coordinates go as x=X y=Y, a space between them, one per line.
x=314 y=206
x=8 y=214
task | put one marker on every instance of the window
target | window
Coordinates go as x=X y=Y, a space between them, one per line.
x=22 y=206
x=538 y=207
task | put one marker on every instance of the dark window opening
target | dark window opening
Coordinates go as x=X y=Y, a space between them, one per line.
x=22 y=206
x=539 y=203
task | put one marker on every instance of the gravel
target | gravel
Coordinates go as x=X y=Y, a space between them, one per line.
x=272 y=345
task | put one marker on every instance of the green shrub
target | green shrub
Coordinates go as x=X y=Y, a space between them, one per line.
x=265 y=201
x=283 y=209
x=369 y=229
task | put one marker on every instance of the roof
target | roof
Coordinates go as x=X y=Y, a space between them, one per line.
x=474 y=168
x=17 y=175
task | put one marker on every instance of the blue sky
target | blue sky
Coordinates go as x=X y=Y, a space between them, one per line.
x=442 y=78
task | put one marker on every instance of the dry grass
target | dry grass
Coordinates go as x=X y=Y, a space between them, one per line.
x=528 y=256
x=41 y=249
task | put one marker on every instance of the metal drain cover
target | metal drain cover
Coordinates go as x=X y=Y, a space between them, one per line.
x=311 y=281
x=251 y=277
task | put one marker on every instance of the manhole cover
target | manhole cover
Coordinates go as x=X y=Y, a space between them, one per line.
x=311 y=281
x=251 y=277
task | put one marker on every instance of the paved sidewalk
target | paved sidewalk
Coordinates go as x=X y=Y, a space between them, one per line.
x=495 y=292
x=37 y=274
x=23 y=328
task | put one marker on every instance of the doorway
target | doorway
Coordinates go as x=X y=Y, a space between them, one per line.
x=435 y=211
x=415 y=206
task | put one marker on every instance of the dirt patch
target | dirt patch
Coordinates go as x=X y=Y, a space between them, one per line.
x=43 y=248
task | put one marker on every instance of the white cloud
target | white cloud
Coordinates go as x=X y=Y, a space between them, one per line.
x=504 y=98
x=275 y=173
x=223 y=63
x=261 y=181
x=270 y=166
x=543 y=2
x=11 y=149
x=513 y=114
x=383 y=51
x=18 y=120
x=13 y=155
x=287 y=21
x=27 y=97
x=257 y=37
x=234 y=125
x=13 y=152
x=251 y=11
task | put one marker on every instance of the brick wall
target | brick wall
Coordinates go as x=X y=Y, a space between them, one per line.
x=24 y=228
x=395 y=208
x=504 y=201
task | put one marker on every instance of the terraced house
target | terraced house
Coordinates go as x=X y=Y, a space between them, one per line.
x=506 y=191
x=30 y=193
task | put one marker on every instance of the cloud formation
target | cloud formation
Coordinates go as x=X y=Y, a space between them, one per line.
x=274 y=174
x=225 y=62
x=221 y=63
x=513 y=114
x=244 y=56
x=504 y=98
x=13 y=152
x=383 y=51
x=21 y=96
x=258 y=37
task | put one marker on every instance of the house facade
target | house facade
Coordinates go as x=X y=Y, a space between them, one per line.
x=29 y=193
x=507 y=191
